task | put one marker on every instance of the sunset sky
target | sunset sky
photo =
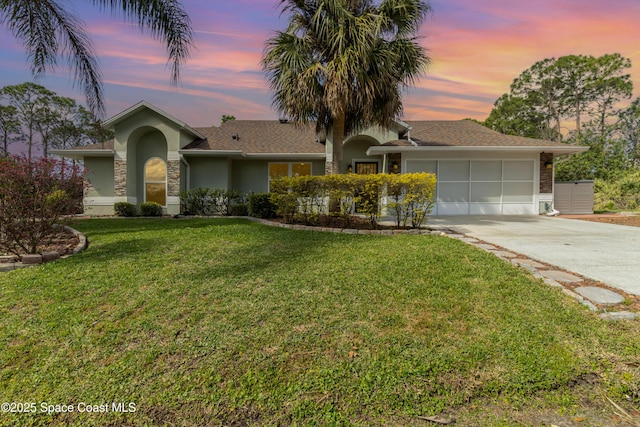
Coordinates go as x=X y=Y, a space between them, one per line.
x=477 y=48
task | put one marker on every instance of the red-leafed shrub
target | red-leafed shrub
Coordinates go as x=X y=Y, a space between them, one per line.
x=33 y=196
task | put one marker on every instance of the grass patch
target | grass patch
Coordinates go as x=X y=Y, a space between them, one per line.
x=227 y=322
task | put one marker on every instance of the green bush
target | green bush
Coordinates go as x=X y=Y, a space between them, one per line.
x=210 y=201
x=240 y=209
x=622 y=193
x=150 y=209
x=307 y=198
x=260 y=206
x=124 y=209
x=411 y=196
x=225 y=199
x=197 y=201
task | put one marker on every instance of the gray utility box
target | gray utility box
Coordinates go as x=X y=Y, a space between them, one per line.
x=575 y=197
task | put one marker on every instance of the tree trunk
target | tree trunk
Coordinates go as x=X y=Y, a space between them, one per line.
x=338 y=143
x=578 y=113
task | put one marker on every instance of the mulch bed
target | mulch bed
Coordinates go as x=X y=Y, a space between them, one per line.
x=60 y=240
x=619 y=219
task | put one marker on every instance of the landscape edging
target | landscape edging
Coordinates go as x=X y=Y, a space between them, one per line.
x=82 y=245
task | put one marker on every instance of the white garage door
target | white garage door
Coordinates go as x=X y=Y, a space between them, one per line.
x=481 y=187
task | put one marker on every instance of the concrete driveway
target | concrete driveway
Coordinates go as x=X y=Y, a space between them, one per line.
x=604 y=252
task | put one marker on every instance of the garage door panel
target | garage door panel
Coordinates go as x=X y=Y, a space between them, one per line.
x=454 y=170
x=517 y=192
x=518 y=170
x=486 y=192
x=486 y=170
x=453 y=192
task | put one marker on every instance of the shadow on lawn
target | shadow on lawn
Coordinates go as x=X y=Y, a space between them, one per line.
x=106 y=226
x=233 y=251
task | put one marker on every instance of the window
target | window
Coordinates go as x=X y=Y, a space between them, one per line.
x=155 y=181
x=278 y=170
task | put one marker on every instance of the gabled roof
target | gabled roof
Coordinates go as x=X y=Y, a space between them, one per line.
x=433 y=135
x=142 y=105
x=258 y=137
x=466 y=133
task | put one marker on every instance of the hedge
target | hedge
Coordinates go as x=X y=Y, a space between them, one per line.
x=307 y=199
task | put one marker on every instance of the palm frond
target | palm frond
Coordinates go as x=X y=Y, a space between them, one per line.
x=165 y=19
x=47 y=31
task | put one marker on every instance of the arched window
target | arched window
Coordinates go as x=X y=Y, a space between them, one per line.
x=155 y=181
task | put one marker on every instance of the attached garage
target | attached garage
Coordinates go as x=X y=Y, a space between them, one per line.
x=479 y=171
x=481 y=187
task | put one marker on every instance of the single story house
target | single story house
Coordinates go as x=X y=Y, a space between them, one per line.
x=154 y=156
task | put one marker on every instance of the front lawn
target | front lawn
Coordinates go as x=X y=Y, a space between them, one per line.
x=228 y=322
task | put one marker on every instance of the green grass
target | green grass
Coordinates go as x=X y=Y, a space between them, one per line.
x=227 y=322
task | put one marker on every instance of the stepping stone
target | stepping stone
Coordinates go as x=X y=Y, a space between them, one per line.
x=561 y=276
x=528 y=263
x=504 y=254
x=486 y=246
x=600 y=295
x=469 y=240
x=619 y=315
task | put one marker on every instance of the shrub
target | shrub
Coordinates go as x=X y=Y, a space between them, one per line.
x=369 y=189
x=124 y=209
x=210 y=201
x=622 y=193
x=150 y=209
x=240 y=209
x=284 y=200
x=224 y=199
x=411 y=196
x=33 y=196
x=260 y=206
x=197 y=201
x=307 y=198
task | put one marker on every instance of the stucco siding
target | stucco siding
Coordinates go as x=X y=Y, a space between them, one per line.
x=356 y=151
x=100 y=175
x=253 y=175
x=250 y=175
x=207 y=172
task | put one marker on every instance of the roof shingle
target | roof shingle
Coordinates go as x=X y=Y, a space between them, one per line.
x=259 y=137
x=466 y=133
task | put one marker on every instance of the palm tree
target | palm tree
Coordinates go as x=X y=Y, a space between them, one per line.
x=48 y=29
x=344 y=63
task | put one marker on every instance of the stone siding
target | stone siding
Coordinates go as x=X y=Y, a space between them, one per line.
x=546 y=174
x=173 y=177
x=120 y=178
x=87 y=187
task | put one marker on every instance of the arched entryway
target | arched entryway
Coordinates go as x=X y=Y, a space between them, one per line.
x=355 y=156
